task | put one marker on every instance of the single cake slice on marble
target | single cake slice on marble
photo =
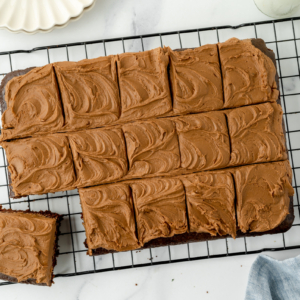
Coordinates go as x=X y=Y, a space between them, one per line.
x=99 y=156
x=108 y=217
x=89 y=92
x=249 y=75
x=196 y=80
x=203 y=141
x=263 y=194
x=211 y=203
x=28 y=246
x=256 y=134
x=160 y=208
x=144 y=84
x=152 y=147
x=40 y=165
x=32 y=104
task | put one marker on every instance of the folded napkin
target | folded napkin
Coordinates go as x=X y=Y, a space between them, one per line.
x=270 y=279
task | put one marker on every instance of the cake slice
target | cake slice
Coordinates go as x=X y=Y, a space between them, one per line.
x=144 y=84
x=28 y=246
x=39 y=165
x=256 y=134
x=89 y=92
x=249 y=72
x=210 y=201
x=263 y=194
x=32 y=104
x=108 y=217
x=203 y=141
x=160 y=208
x=99 y=156
x=152 y=147
x=196 y=80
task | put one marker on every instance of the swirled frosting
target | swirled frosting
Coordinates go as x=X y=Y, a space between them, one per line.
x=33 y=105
x=256 y=134
x=248 y=74
x=99 y=156
x=263 y=192
x=152 y=147
x=40 y=165
x=144 y=84
x=27 y=246
x=108 y=217
x=89 y=91
x=196 y=79
x=210 y=202
x=203 y=141
x=160 y=208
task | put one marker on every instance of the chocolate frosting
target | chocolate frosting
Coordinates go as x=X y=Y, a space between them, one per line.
x=99 y=156
x=256 y=134
x=203 y=141
x=160 y=208
x=196 y=79
x=40 y=165
x=108 y=217
x=89 y=91
x=210 y=201
x=152 y=147
x=27 y=246
x=248 y=74
x=263 y=192
x=144 y=85
x=33 y=105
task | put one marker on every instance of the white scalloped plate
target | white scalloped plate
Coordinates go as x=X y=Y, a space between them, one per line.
x=32 y=16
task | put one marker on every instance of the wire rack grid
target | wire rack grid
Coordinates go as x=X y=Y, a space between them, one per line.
x=282 y=36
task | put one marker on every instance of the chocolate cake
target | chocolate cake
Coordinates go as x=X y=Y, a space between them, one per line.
x=40 y=165
x=28 y=246
x=210 y=201
x=32 y=104
x=249 y=74
x=109 y=217
x=152 y=147
x=195 y=78
x=256 y=134
x=181 y=205
x=203 y=141
x=277 y=188
x=160 y=208
x=144 y=85
x=99 y=156
x=89 y=92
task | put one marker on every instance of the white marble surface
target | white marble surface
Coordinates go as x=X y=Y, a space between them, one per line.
x=223 y=278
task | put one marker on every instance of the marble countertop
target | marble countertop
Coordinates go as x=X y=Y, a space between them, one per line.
x=221 y=278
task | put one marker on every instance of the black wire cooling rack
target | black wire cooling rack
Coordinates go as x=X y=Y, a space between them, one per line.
x=282 y=36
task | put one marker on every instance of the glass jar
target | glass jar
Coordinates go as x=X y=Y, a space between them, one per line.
x=277 y=8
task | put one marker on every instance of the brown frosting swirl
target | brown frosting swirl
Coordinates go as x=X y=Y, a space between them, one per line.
x=27 y=246
x=89 y=91
x=40 y=165
x=160 y=208
x=203 y=141
x=144 y=84
x=99 y=156
x=108 y=217
x=248 y=74
x=256 y=134
x=152 y=147
x=263 y=192
x=196 y=79
x=210 y=202
x=33 y=104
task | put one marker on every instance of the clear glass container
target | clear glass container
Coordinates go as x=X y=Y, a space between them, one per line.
x=278 y=8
